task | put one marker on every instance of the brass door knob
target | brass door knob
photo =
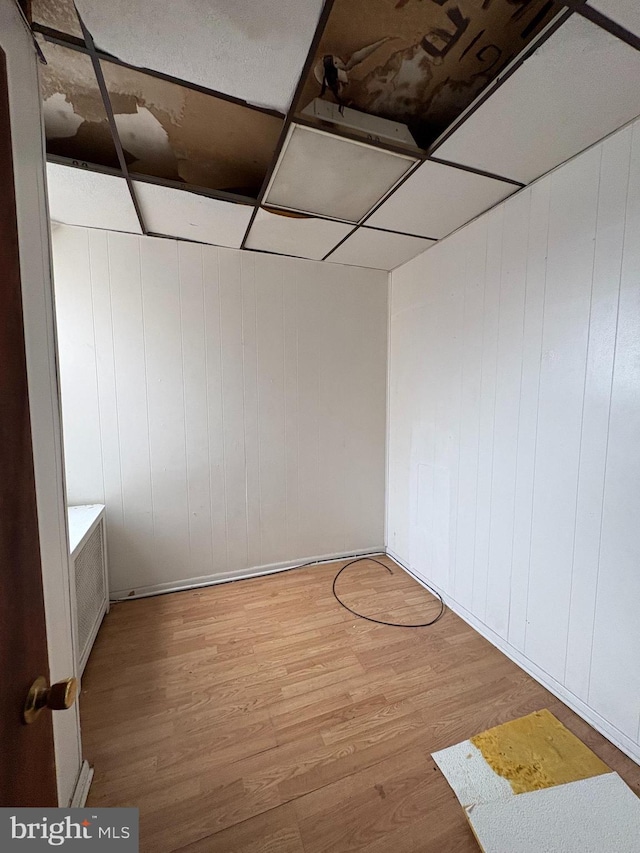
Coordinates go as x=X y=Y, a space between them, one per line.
x=58 y=697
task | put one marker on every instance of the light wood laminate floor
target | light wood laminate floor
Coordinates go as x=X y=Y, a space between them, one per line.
x=261 y=717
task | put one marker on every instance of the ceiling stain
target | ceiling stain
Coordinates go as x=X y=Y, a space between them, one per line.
x=62 y=120
x=431 y=58
x=75 y=120
x=418 y=62
x=144 y=138
x=166 y=130
x=60 y=15
x=171 y=131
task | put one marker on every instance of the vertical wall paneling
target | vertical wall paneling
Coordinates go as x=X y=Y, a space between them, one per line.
x=614 y=180
x=106 y=385
x=216 y=409
x=75 y=303
x=334 y=402
x=615 y=674
x=572 y=221
x=507 y=409
x=472 y=344
x=251 y=412
x=516 y=404
x=271 y=411
x=125 y=288
x=535 y=285
x=231 y=365
x=448 y=422
x=229 y=408
x=362 y=418
x=309 y=343
x=486 y=436
x=196 y=405
x=165 y=403
x=291 y=427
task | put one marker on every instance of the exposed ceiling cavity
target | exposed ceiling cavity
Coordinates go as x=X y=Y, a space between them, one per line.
x=253 y=51
x=75 y=119
x=166 y=130
x=419 y=62
x=409 y=119
x=59 y=15
x=170 y=131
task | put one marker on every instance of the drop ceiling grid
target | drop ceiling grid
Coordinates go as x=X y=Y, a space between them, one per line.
x=623 y=12
x=313 y=46
x=111 y=120
x=384 y=250
x=305 y=237
x=293 y=106
x=175 y=213
x=91 y=199
x=375 y=217
x=259 y=48
x=436 y=199
x=578 y=87
x=321 y=173
x=289 y=119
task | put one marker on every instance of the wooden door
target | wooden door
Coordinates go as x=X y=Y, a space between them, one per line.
x=27 y=767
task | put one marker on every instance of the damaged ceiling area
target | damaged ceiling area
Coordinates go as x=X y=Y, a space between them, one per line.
x=354 y=131
x=420 y=62
x=166 y=130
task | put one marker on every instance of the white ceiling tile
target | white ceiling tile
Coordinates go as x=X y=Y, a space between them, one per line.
x=81 y=197
x=623 y=12
x=178 y=213
x=379 y=250
x=579 y=86
x=437 y=199
x=253 y=51
x=287 y=235
x=321 y=173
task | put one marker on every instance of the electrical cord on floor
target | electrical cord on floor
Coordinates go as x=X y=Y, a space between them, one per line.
x=132 y=596
x=382 y=621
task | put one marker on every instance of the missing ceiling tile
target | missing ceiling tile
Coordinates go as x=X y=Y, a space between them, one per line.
x=420 y=62
x=75 y=120
x=60 y=15
x=171 y=131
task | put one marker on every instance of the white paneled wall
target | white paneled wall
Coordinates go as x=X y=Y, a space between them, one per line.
x=228 y=408
x=514 y=434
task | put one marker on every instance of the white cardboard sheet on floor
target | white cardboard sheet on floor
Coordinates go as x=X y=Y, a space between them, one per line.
x=472 y=779
x=596 y=815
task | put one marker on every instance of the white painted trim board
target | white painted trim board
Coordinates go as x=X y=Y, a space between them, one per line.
x=238 y=575
x=617 y=738
x=81 y=791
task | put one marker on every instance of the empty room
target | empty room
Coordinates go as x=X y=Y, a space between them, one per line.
x=320 y=411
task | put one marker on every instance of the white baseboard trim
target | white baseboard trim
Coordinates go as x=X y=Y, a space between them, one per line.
x=618 y=738
x=237 y=575
x=83 y=784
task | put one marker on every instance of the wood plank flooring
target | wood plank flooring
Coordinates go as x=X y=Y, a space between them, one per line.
x=261 y=717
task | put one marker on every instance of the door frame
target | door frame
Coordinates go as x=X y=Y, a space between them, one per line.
x=29 y=165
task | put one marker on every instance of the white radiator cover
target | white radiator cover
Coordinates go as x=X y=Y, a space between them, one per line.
x=88 y=549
